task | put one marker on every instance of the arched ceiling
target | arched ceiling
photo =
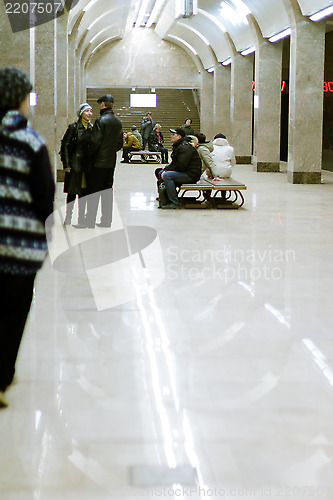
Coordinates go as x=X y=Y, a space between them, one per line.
x=207 y=35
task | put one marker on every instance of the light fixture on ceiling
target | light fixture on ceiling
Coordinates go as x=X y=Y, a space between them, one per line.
x=279 y=36
x=210 y=70
x=321 y=14
x=227 y=61
x=248 y=51
x=155 y=12
x=142 y=13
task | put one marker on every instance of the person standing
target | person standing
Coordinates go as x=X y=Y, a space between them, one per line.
x=74 y=155
x=107 y=139
x=147 y=126
x=26 y=200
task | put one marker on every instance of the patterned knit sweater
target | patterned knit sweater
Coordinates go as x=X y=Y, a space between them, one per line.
x=26 y=196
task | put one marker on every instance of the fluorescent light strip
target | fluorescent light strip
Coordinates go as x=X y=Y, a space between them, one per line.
x=196 y=32
x=226 y=62
x=321 y=14
x=248 y=51
x=142 y=13
x=155 y=12
x=192 y=49
x=279 y=36
x=210 y=70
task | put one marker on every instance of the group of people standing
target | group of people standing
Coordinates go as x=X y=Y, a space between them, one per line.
x=89 y=154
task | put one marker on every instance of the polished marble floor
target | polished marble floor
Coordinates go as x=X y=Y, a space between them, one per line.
x=182 y=354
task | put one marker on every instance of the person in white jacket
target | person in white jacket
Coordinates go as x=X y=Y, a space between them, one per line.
x=223 y=156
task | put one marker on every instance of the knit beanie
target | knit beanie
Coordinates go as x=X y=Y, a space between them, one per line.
x=220 y=136
x=82 y=108
x=14 y=87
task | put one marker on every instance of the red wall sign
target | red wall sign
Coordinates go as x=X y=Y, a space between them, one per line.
x=328 y=86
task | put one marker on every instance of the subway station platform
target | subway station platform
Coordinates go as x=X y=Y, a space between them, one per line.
x=181 y=354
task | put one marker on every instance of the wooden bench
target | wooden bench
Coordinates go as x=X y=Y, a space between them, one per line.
x=224 y=193
x=145 y=156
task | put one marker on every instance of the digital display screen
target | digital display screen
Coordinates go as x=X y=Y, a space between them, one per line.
x=143 y=100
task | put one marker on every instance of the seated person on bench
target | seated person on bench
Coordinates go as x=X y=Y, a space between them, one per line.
x=223 y=156
x=185 y=167
x=131 y=143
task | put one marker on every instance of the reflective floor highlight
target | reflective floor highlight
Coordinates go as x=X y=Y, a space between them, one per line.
x=181 y=354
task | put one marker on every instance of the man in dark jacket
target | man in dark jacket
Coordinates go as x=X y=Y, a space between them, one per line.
x=107 y=139
x=147 y=126
x=185 y=167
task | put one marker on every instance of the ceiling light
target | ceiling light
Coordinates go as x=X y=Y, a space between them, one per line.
x=248 y=51
x=321 y=14
x=210 y=70
x=155 y=12
x=279 y=36
x=142 y=13
x=226 y=62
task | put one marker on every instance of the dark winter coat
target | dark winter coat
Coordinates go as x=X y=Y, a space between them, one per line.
x=27 y=191
x=107 y=139
x=76 y=155
x=185 y=158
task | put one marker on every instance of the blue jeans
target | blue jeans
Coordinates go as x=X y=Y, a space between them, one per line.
x=172 y=179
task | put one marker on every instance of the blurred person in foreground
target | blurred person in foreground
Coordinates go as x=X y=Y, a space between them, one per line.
x=26 y=200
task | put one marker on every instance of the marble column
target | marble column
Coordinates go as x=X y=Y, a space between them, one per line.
x=72 y=84
x=306 y=76
x=206 y=104
x=221 y=106
x=45 y=84
x=241 y=104
x=14 y=46
x=62 y=83
x=267 y=106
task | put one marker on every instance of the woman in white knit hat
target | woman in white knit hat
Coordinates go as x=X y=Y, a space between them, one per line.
x=75 y=158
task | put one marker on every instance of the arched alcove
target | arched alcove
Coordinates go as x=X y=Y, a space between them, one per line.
x=141 y=58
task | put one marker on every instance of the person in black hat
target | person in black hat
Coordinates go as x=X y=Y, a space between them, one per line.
x=107 y=139
x=185 y=167
x=27 y=191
